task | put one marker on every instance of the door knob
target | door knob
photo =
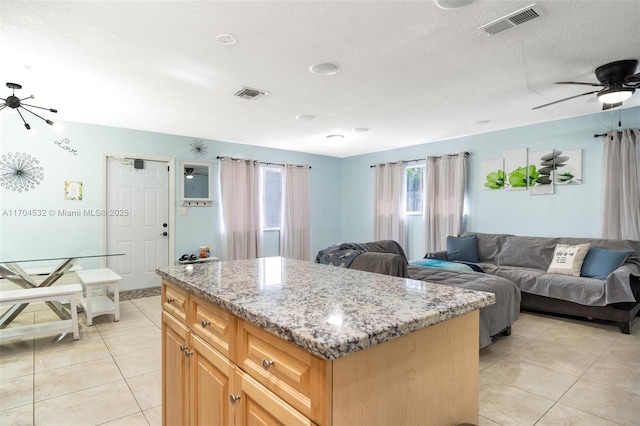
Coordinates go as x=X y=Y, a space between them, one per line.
x=234 y=398
x=164 y=234
x=164 y=225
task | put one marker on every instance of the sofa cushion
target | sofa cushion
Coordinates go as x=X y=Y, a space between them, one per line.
x=524 y=278
x=489 y=245
x=527 y=252
x=568 y=259
x=463 y=248
x=599 y=262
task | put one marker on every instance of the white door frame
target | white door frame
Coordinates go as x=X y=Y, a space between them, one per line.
x=171 y=161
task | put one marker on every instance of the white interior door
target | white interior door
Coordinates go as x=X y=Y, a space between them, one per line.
x=137 y=220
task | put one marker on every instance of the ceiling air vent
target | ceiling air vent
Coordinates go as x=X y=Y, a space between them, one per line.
x=249 y=93
x=511 y=20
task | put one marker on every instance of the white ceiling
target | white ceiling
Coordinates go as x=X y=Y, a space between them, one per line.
x=411 y=72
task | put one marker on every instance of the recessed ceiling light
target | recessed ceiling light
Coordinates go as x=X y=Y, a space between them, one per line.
x=305 y=117
x=481 y=122
x=226 y=39
x=452 y=4
x=325 y=68
x=335 y=137
x=361 y=129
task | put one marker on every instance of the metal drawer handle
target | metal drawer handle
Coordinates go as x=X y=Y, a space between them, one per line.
x=234 y=398
x=266 y=363
x=182 y=348
x=205 y=323
x=170 y=299
x=187 y=352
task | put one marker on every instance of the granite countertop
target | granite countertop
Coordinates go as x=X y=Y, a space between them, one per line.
x=326 y=310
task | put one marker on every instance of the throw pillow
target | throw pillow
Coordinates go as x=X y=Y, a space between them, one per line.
x=600 y=262
x=567 y=259
x=463 y=248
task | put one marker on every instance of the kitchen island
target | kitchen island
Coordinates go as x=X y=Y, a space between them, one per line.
x=281 y=341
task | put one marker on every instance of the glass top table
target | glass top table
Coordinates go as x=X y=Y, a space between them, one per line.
x=66 y=258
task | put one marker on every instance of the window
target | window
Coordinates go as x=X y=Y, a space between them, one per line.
x=414 y=189
x=271 y=198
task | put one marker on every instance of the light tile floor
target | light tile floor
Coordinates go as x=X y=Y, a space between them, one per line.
x=550 y=371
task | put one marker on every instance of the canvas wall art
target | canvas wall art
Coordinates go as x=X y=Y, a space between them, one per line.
x=515 y=167
x=493 y=171
x=568 y=167
x=541 y=172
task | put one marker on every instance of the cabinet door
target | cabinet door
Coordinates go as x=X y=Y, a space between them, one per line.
x=259 y=406
x=212 y=377
x=175 y=372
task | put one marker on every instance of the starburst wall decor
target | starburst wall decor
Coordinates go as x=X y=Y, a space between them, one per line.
x=199 y=148
x=20 y=172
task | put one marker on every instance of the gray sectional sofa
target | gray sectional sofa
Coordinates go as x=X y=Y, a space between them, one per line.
x=387 y=257
x=525 y=260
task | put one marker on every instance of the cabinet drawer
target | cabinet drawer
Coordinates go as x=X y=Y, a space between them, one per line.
x=174 y=301
x=213 y=324
x=296 y=376
x=261 y=407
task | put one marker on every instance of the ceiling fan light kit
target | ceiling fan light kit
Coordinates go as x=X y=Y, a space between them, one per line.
x=16 y=103
x=615 y=95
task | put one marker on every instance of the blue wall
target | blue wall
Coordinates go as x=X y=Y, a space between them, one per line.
x=199 y=227
x=570 y=211
x=342 y=189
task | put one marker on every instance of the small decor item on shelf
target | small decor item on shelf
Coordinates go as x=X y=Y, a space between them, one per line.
x=205 y=251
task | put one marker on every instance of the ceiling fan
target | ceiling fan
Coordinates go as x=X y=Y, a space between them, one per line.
x=191 y=172
x=617 y=80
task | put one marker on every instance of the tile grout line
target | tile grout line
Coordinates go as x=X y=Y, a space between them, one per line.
x=574 y=383
x=122 y=374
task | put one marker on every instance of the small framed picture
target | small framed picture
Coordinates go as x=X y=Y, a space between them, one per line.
x=73 y=190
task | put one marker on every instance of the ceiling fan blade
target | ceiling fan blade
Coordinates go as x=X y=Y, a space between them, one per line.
x=609 y=106
x=579 y=82
x=565 y=99
x=632 y=80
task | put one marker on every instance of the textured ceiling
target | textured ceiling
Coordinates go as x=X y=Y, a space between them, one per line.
x=411 y=72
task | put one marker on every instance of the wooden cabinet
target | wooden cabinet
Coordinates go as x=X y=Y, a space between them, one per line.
x=258 y=406
x=293 y=374
x=175 y=372
x=202 y=384
x=214 y=325
x=174 y=301
x=212 y=382
x=219 y=369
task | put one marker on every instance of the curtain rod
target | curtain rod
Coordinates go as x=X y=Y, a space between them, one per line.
x=466 y=154
x=262 y=162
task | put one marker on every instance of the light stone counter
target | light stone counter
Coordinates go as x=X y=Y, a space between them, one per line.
x=328 y=311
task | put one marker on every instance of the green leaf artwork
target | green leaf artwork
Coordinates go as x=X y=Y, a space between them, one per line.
x=520 y=179
x=565 y=177
x=495 y=180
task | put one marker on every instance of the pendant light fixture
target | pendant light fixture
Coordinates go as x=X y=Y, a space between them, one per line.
x=15 y=102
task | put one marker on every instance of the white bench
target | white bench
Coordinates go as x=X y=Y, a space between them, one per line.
x=62 y=293
x=100 y=305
